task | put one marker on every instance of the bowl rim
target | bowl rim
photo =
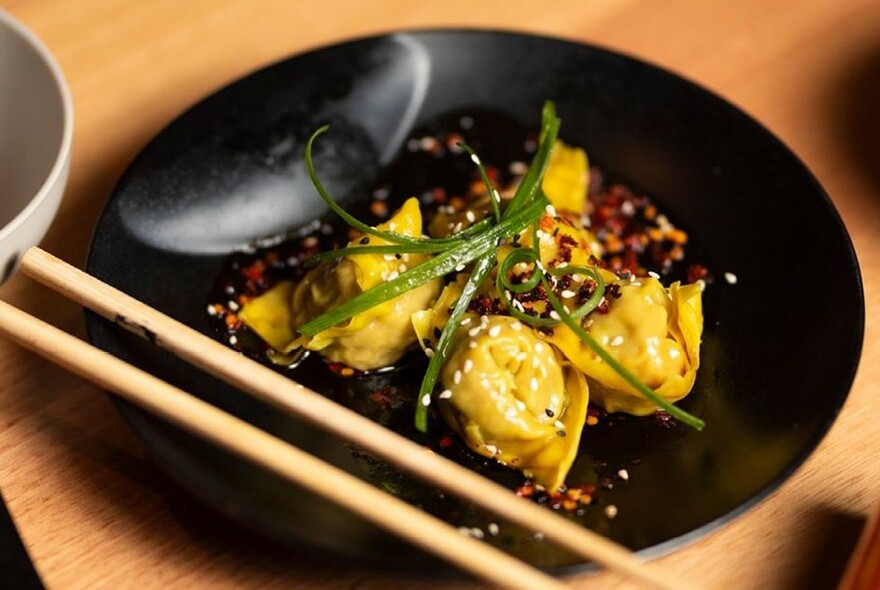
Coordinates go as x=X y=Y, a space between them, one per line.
x=63 y=154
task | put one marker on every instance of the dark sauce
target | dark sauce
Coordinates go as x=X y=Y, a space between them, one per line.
x=433 y=168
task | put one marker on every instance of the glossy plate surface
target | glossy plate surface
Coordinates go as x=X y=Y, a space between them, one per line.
x=781 y=345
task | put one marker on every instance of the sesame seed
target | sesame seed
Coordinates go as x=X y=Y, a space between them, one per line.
x=623 y=474
x=511 y=412
x=653 y=274
x=521 y=405
x=457 y=227
x=456 y=377
x=494 y=331
x=521 y=357
x=539 y=536
x=568 y=294
x=533 y=384
x=555 y=315
x=475 y=159
x=402 y=268
x=388 y=257
x=474 y=331
x=674 y=353
x=539 y=347
x=730 y=278
x=550 y=209
x=446 y=394
x=492 y=449
x=211 y=310
x=459 y=268
x=468 y=366
x=617 y=340
x=493 y=529
x=426 y=400
x=383 y=275
x=536 y=362
x=472 y=344
x=516 y=326
x=466 y=321
x=233 y=340
x=394 y=274
x=470 y=216
x=611 y=511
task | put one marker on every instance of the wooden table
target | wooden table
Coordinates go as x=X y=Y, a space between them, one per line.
x=94 y=512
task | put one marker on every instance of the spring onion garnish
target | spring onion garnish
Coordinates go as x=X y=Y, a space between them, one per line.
x=490 y=187
x=478 y=244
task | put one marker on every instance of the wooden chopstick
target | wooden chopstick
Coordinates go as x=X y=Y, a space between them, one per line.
x=292 y=463
x=280 y=391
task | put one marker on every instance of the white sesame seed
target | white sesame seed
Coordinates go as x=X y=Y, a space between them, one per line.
x=555 y=315
x=472 y=344
x=533 y=384
x=536 y=362
x=388 y=257
x=470 y=216
x=446 y=394
x=492 y=449
x=211 y=310
x=539 y=347
x=474 y=331
x=521 y=357
x=511 y=412
x=426 y=399
x=383 y=275
x=539 y=536
x=457 y=227
x=516 y=326
x=623 y=474
x=402 y=268
x=653 y=274
x=493 y=529
x=459 y=268
x=730 y=278
x=468 y=366
x=494 y=331
x=568 y=294
x=521 y=405
x=233 y=340
x=456 y=377
x=611 y=511
x=477 y=533
x=577 y=278
x=484 y=320
x=475 y=159
x=674 y=353
x=617 y=340
x=550 y=209
x=393 y=275
x=466 y=321
x=702 y=284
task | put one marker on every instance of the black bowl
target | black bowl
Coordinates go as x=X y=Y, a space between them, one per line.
x=780 y=348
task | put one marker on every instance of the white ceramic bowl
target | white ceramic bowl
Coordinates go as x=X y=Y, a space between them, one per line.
x=36 y=129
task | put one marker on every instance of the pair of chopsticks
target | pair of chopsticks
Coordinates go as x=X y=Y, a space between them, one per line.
x=233 y=434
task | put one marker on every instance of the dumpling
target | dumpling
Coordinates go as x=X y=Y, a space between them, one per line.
x=567 y=177
x=653 y=332
x=512 y=398
x=375 y=338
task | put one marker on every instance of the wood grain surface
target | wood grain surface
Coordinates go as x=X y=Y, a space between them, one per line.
x=95 y=513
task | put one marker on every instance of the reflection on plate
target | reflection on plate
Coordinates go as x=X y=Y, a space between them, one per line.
x=230 y=171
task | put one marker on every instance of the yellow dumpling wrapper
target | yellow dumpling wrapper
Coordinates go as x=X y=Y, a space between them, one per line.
x=567 y=178
x=375 y=338
x=511 y=398
x=652 y=332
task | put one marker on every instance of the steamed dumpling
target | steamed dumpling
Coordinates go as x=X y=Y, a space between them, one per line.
x=511 y=398
x=653 y=332
x=375 y=338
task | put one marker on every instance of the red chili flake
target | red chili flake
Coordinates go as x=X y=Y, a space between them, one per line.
x=381 y=398
x=696 y=272
x=525 y=490
x=446 y=441
x=255 y=271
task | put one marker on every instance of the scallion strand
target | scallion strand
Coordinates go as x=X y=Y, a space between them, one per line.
x=481 y=270
x=494 y=197
x=439 y=265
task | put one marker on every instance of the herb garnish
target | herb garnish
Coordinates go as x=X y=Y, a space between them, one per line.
x=478 y=245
